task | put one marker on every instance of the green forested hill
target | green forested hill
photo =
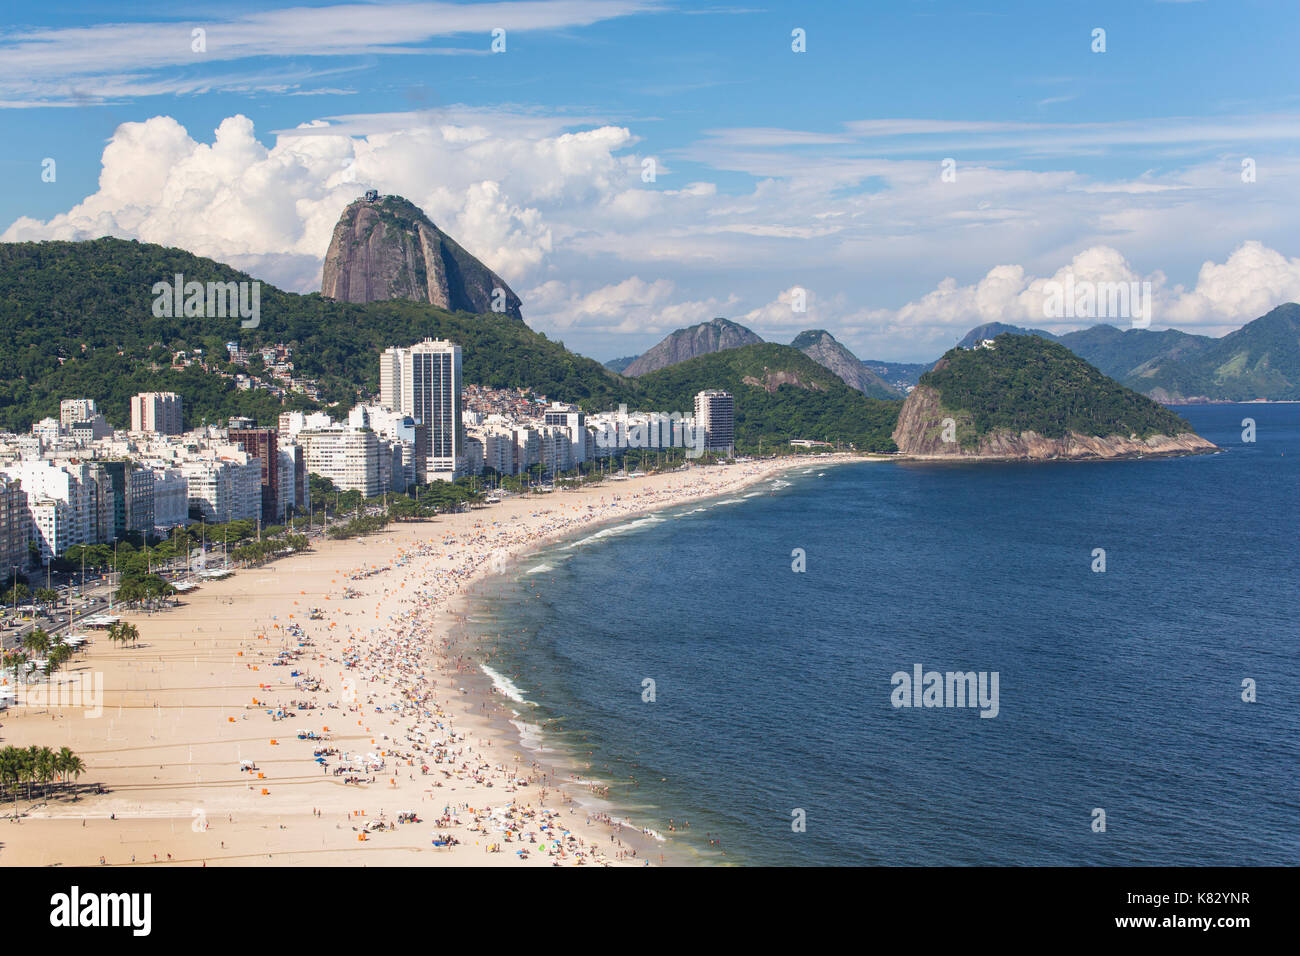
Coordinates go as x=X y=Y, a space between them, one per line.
x=1026 y=383
x=76 y=320
x=780 y=394
x=1126 y=354
x=1259 y=360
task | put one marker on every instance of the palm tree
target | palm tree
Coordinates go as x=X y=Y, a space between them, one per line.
x=59 y=655
x=38 y=642
x=11 y=770
x=51 y=665
x=45 y=768
x=16 y=660
x=31 y=758
x=68 y=764
x=124 y=632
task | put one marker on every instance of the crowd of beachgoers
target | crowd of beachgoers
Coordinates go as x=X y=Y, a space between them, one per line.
x=398 y=753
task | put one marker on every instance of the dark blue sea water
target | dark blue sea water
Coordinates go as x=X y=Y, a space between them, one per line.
x=1119 y=690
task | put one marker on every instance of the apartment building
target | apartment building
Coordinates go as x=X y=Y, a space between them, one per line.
x=349 y=457
x=715 y=412
x=225 y=488
x=158 y=412
x=263 y=444
x=424 y=382
x=15 y=525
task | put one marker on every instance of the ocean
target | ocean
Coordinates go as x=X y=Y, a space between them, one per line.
x=1120 y=734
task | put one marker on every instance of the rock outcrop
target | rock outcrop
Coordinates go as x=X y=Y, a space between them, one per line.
x=683 y=344
x=387 y=248
x=773 y=380
x=823 y=348
x=920 y=433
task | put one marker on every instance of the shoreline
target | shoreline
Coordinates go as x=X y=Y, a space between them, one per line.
x=508 y=719
x=1030 y=460
x=561 y=758
x=464 y=773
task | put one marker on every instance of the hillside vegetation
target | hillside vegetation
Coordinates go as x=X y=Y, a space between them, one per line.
x=1259 y=360
x=76 y=320
x=1026 y=383
x=780 y=394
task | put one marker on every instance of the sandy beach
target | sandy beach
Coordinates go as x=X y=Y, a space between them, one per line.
x=313 y=711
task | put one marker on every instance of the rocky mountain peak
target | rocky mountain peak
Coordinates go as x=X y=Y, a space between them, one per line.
x=683 y=344
x=385 y=247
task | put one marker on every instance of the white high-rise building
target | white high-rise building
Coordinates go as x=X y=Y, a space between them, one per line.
x=171 y=498
x=73 y=410
x=715 y=412
x=390 y=378
x=79 y=517
x=47 y=430
x=556 y=450
x=528 y=449
x=349 y=457
x=574 y=422
x=52 y=527
x=225 y=489
x=424 y=381
x=158 y=412
x=499 y=450
x=291 y=423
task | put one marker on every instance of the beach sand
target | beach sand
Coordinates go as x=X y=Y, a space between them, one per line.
x=202 y=691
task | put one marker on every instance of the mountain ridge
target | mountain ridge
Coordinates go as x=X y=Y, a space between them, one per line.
x=780 y=393
x=76 y=320
x=823 y=348
x=679 y=345
x=1258 y=361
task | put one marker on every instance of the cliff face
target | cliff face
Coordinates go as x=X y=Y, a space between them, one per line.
x=389 y=249
x=824 y=349
x=920 y=429
x=702 y=339
x=771 y=381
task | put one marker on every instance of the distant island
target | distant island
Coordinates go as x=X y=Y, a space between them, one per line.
x=1024 y=397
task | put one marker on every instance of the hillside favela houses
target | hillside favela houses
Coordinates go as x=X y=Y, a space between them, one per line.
x=78 y=480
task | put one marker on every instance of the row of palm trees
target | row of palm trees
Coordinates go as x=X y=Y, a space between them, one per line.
x=259 y=552
x=38 y=644
x=56 y=653
x=123 y=632
x=37 y=766
x=365 y=524
x=20 y=593
x=148 y=591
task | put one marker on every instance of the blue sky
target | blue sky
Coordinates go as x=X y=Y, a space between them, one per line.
x=775 y=170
